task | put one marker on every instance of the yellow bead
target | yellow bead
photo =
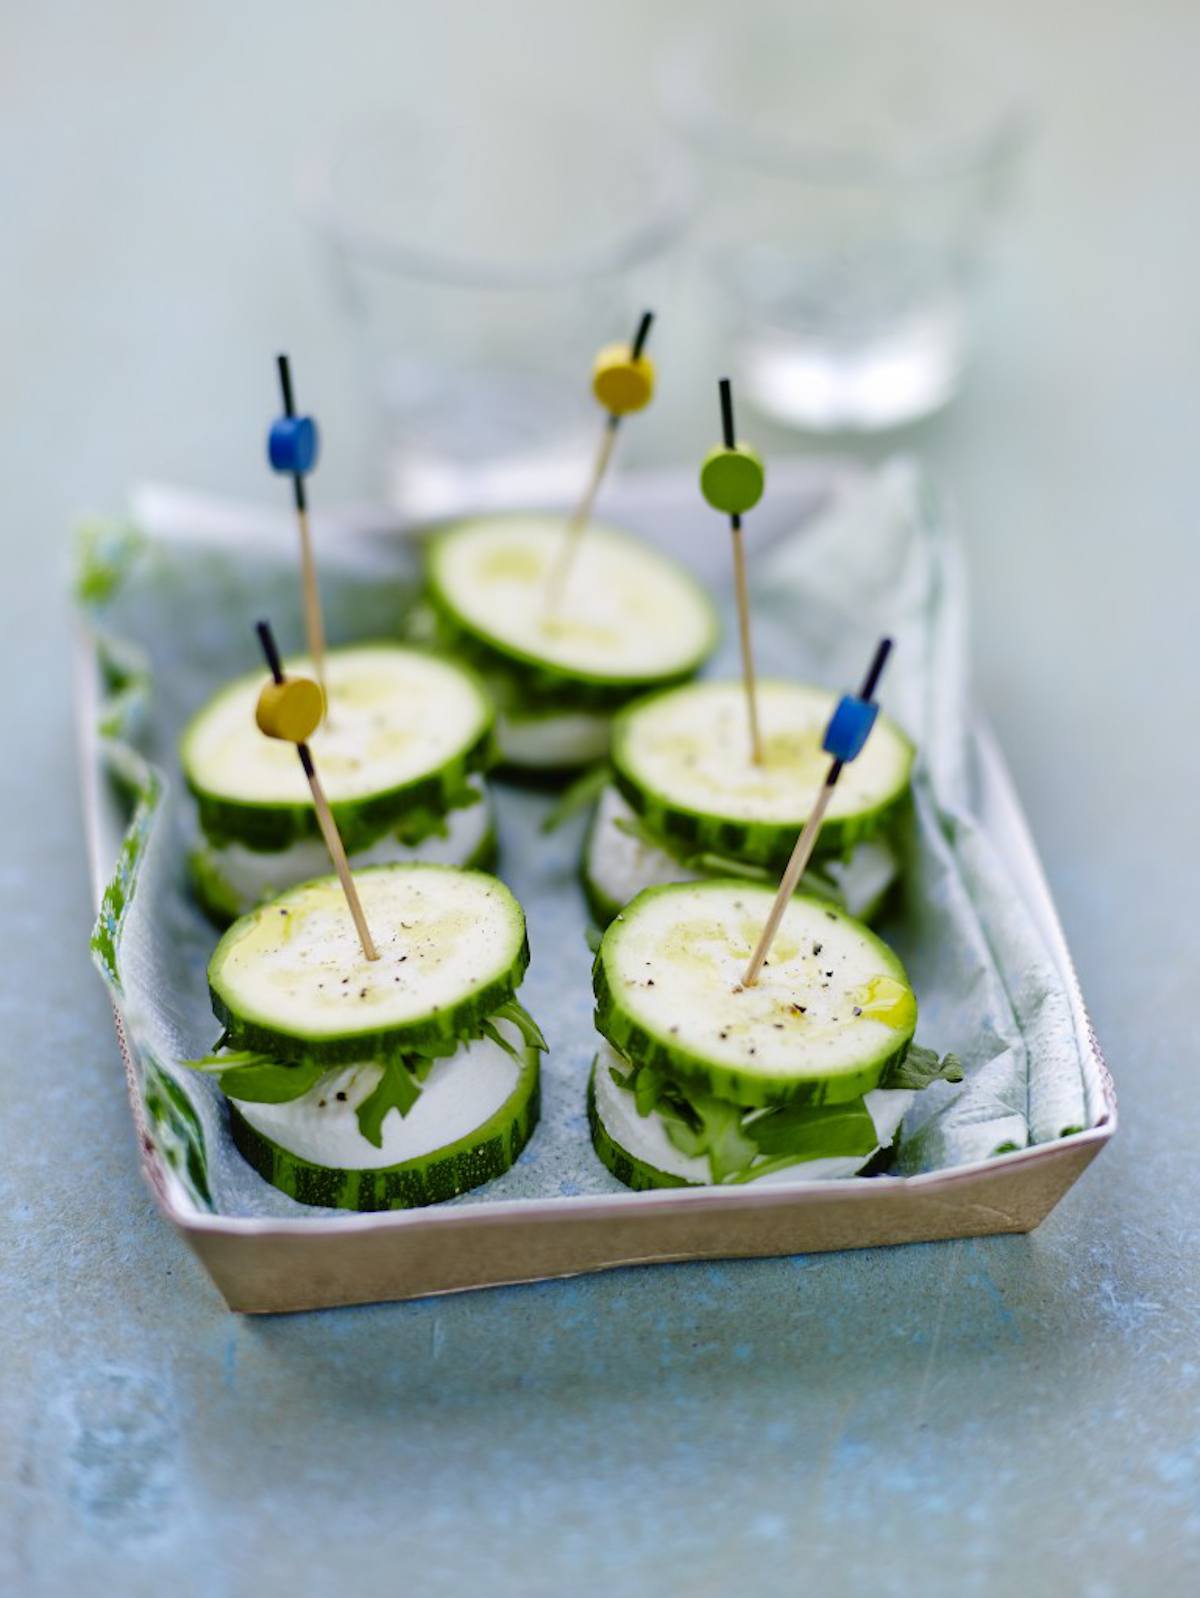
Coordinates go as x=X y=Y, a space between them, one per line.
x=291 y=710
x=621 y=383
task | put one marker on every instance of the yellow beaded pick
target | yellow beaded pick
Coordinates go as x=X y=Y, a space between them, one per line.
x=291 y=709
x=623 y=382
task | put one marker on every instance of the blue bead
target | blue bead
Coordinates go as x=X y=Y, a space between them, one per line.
x=849 y=727
x=292 y=445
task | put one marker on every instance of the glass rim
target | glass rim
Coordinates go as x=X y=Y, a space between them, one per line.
x=709 y=127
x=668 y=213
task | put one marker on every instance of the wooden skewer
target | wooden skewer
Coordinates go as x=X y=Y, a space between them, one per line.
x=793 y=871
x=807 y=841
x=314 y=625
x=313 y=622
x=580 y=517
x=637 y=367
x=743 y=610
x=337 y=852
x=741 y=590
x=328 y=826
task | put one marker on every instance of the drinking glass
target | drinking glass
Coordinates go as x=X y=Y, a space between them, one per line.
x=854 y=181
x=482 y=260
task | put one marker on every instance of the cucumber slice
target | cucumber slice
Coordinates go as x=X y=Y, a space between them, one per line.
x=290 y=979
x=230 y=880
x=632 y=619
x=682 y=760
x=638 y=1151
x=619 y=863
x=404 y=731
x=476 y=1112
x=831 y=1011
x=553 y=740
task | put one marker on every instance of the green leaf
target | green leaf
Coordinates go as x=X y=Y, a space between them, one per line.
x=698 y=1125
x=823 y=1131
x=105 y=552
x=728 y=1148
x=395 y=1090
x=920 y=1067
x=586 y=788
x=257 y=1078
x=647 y=1086
x=719 y=865
x=740 y=1143
x=515 y=1012
x=634 y=827
x=420 y=823
x=497 y=1037
x=419 y=1057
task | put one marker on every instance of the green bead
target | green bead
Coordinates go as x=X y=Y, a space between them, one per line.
x=732 y=480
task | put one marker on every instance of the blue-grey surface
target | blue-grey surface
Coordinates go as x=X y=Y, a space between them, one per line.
x=1015 y=1415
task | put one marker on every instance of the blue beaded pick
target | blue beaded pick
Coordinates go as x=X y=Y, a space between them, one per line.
x=849 y=728
x=292 y=445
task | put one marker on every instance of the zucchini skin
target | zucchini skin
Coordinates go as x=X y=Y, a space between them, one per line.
x=442 y=1174
x=604 y=909
x=763 y=843
x=533 y=681
x=626 y=1167
x=220 y=905
x=456 y=1021
x=705 y=1075
x=269 y=827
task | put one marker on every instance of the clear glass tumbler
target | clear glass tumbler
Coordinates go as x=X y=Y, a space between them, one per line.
x=853 y=181
x=483 y=259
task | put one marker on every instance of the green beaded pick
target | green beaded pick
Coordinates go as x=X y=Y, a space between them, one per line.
x=732 y=480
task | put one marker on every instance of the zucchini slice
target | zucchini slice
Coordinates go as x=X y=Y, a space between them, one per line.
x=552 y=740
x=638 y=1150
x=290 y=978
x=476 y=1112
x=632 y=619
x=619 y=860
x=682 y=761
x=831 y=1011
x=404 y=732
x=229 y=880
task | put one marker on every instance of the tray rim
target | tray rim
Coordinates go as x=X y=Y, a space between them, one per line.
x=1016 y=844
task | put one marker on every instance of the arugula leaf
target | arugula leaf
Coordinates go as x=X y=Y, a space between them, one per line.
x=728 y=1148
x=817 y=1131
x=257 y=1078
x=634 y=827
x=395 y=1090
x=588 y=786
x=740 y=1143
x=520 y=1017
x=719 y=865
x=920 y=1067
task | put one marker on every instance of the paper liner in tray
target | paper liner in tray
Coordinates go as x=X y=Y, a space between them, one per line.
x=559 y=1213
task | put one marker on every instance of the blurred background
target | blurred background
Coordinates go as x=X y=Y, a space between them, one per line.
x=968 y=231
x=965 y=231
